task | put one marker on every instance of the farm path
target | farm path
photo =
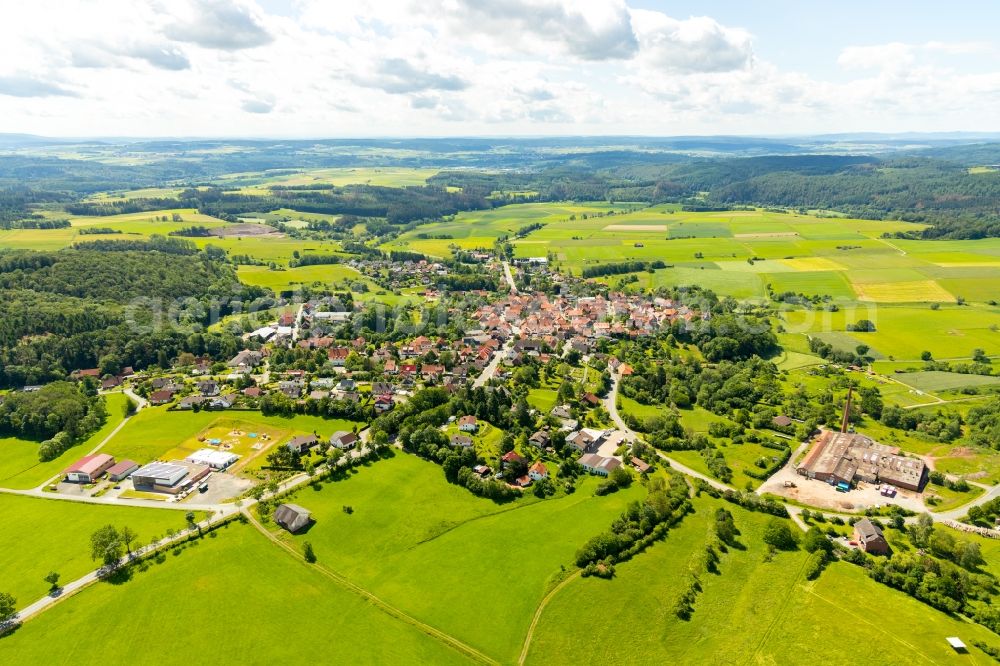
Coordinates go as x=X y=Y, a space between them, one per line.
x=538 y=614
x=384 y=606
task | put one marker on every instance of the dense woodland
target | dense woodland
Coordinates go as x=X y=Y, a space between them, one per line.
x=109 y=308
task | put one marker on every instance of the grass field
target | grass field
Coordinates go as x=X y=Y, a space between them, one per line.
x=19 y=466
x=155 y=432
x=472 y=568
x=753 y=612
x=201 y=604
x=60 y=539
x=739 y=457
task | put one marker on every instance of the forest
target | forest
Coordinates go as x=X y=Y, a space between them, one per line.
x=85 y=308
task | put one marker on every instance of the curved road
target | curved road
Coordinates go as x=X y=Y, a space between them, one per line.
x=611 y=404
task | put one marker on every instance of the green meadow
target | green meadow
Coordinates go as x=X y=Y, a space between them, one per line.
x=752 y=612
x=60 y=539
x=233 y=599
x=467 y=566
x=19 y=465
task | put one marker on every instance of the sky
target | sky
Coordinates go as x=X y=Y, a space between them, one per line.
x=374 y=68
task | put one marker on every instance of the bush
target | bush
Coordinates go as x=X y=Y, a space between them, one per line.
x=778 y=534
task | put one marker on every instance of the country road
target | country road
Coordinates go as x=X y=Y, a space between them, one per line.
x=509 y=277
x=611 y=405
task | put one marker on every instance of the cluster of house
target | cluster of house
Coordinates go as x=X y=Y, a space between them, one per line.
x=580 y=320
x=344 y=440
x=841 y=458
x=108 y=382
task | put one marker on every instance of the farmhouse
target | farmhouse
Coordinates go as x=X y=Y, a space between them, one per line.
x=292 y=517
x=122 y=470
x=217 y=460
x=840 y=457
x=870 y=538
x=595 y=464
x=89 y=468
x=468 y=424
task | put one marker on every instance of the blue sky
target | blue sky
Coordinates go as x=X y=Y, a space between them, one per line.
x=465 y=67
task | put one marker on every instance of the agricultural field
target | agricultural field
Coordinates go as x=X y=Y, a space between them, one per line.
x=479 y=229
x=770 y=612
x=19 y=465
x=330 y=276
x=903 y=333
x=208 y=584
x=60 y=538
x=465 y=565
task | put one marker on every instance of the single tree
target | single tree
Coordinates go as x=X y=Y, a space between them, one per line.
x=128 y=537
x=53 y=580
x=106 y=545
x=308 y=553
x=8 y=607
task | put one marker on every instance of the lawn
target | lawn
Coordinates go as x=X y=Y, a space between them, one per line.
x=19 y=466
x=200 y=603
x=465 y=565
x=753 y=612
x=60 y=539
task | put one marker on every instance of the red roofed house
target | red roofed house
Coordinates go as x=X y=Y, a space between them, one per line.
x=512 y=456
x=160 y=397
x=89 y=468
x=538 y=471
x=338 y=355
x=468 y=424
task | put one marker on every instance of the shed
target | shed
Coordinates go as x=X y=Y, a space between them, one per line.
x=292 y=517
x=956 y=644
x=122 y=470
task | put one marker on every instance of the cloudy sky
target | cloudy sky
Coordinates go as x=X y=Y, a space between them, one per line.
x=328 y=68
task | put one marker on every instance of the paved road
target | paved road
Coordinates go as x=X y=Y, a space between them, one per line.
x=611 y=404
x=509 y=277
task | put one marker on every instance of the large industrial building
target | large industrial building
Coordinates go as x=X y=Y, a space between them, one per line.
x=170 y=478
x=843 y=457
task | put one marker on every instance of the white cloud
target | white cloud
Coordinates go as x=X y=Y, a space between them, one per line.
x=454 y=66
x=229 y=25
x=29 y=86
